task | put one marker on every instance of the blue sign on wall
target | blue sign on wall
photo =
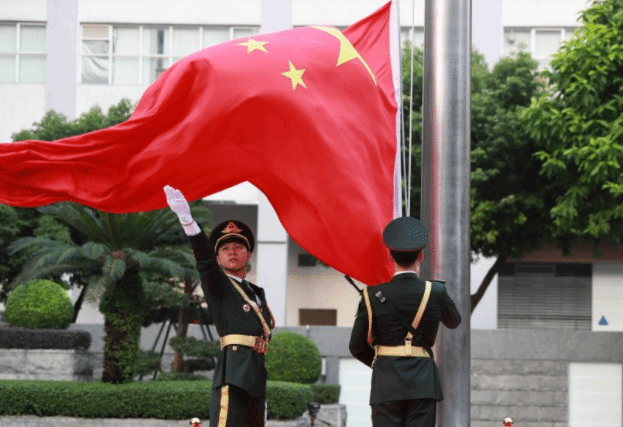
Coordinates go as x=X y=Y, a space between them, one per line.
x=603 y=321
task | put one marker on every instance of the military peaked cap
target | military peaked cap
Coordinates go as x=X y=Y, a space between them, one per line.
x=232 y=230
x=405 y=234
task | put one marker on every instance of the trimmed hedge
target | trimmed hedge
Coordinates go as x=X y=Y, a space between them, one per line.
x=43 y=338
x=326 y=393
x=287 y=400
x=39 y=304
x=175 y=400
x=293 y=357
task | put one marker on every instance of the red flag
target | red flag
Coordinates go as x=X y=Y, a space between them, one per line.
x=307 y=115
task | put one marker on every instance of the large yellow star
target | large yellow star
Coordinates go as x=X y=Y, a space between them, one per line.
x=347 y=50
x=295 y=75
x=254 y=45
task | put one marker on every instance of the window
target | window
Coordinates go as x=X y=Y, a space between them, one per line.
x=317 y=316
x=307 y=260
x=137 y=55
x=22 y=53
x=540 y=43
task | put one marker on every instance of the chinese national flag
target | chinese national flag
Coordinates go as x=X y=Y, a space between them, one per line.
x=307 y=115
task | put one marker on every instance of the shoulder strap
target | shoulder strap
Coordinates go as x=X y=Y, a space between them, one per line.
x=420 y=310
x=255 y=307
x=366 y=298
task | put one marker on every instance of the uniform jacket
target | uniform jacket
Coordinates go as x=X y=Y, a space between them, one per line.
x=237 y=365
x=402 y=378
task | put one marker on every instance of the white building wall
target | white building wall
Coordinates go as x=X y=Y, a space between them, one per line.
x=485 y=316
x=20 y=106
x=165 y=12
x=24 y=10
x=541 y=13
x=607 y=296
x=595 y=395
x=319 y=287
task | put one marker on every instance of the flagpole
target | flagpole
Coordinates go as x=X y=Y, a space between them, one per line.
x=445 y=188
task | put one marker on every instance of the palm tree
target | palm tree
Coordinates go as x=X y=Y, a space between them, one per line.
x=116 y=251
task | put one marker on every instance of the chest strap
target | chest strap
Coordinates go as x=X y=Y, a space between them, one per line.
x=256 y=309
x=406 y=350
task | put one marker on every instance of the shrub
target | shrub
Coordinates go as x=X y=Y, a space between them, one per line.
x=287 y=400
x=180 y=376
x=293 y=357
x=173 y=400
x=147 y=362
x=326 y=393
x=44 y=338
x=40 y=304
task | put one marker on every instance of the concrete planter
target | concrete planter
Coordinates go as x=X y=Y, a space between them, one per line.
x=44 y=364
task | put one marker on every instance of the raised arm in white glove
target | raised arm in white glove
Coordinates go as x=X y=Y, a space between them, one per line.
x=179 y=205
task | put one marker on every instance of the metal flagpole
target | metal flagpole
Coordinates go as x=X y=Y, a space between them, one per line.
x=445 y=188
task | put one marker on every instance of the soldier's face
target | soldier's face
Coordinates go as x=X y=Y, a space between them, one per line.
x=233 y=256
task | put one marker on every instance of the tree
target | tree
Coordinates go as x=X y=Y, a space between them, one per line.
x=119 y=251
x=578 y=125
x=508 y=210
x=509 y=200
x=24 y=222
x=127 y=260
x=21 y=222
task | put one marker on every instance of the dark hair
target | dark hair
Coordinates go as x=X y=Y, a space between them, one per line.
x=405 y=258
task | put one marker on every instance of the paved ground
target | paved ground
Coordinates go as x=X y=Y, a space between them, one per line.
x=30 y=421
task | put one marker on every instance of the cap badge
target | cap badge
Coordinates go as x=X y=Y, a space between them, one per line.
x=231 y=228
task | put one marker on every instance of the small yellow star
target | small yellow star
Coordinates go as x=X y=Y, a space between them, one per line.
x=295 y=75
x=254 y=45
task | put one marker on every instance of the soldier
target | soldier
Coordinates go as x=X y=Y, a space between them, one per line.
x=240 y=313
x=395 y=330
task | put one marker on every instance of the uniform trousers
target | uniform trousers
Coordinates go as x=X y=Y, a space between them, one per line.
x=231 y=406
x=404 y=413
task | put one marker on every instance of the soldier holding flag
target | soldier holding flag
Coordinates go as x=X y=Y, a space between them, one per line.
x=395 y=330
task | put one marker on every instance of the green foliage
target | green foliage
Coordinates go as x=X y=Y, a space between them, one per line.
x=123 y=308
x=287 y=400
x=99 y=249
x=193 y=347
x=172 y=400
x=147 y=399
x=509 y=209
x=578 y=126
x=412 y=102
x=180 y=376
x=326 y=393
x=147 y=362
x=293 y=357
x=412 y=98
x=115 y=246
x=10 y=227
x=40 y=304
x=198 y=355
x=56 y=126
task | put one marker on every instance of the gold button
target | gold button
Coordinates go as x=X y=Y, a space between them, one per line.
x=234 y=348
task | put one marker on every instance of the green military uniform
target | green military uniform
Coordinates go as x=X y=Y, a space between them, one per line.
x=239 y=384
x=404 y=389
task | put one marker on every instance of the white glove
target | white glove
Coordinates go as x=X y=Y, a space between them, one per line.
x=179 y=205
